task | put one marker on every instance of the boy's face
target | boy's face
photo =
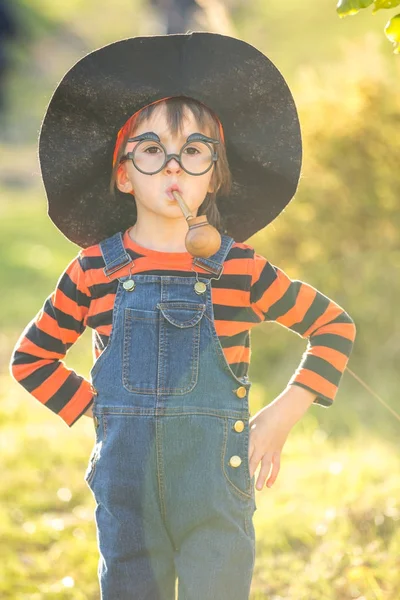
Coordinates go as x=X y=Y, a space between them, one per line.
x=150 y=190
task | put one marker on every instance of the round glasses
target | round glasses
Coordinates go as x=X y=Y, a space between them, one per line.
x=150 y=156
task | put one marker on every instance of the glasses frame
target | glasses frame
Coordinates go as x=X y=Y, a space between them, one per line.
x=154 y=137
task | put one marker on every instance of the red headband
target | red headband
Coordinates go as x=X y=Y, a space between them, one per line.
x=125 y=128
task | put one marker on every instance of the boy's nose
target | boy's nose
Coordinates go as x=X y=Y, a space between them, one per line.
x=172 y=166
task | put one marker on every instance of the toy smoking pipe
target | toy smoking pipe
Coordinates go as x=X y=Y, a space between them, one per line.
x=202 y=239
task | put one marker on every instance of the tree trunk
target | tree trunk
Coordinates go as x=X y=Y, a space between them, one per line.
x=177 y=14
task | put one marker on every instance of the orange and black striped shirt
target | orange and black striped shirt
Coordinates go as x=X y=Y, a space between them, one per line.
x=250 y=290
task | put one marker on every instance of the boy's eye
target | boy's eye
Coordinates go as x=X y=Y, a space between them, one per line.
x=191 y=150
x=151 y=149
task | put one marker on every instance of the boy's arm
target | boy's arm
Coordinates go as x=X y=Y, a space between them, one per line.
x=36 y=359
x=309 y=313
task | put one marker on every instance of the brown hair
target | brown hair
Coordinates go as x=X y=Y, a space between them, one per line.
x=221 y=179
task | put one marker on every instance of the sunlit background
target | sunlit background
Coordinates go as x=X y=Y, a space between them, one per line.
x=329 y=527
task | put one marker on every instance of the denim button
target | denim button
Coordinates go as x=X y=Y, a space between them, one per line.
x=200 y=287
x=129 y=285
x=235 y=461
x=238 y=426
x=241 y=391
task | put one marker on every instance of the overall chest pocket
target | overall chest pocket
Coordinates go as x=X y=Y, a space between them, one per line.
x=161 y=348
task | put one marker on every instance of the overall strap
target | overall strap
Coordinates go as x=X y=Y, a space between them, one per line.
x=116 y=257
x=114 y=254
x=215 y=263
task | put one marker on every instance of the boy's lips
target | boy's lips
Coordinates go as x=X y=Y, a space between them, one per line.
x=171 y=189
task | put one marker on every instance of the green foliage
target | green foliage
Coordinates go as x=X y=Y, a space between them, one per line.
x=346 y=8
x=352 y=7
x=379 y=4
x=392 y=31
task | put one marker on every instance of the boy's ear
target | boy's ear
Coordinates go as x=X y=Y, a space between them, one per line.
x=122 y=181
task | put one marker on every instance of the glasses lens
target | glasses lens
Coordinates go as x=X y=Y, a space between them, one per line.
x=196 y=157
x=148 y=156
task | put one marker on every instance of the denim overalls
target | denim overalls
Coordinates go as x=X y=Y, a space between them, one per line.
x=169 y=470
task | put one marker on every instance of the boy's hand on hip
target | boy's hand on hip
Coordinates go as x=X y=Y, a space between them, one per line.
x=269 y=429
x=267 y=438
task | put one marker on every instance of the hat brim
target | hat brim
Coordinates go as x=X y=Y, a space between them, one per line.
x=104 y=88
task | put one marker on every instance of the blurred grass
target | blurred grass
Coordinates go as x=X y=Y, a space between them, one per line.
x=328 y=528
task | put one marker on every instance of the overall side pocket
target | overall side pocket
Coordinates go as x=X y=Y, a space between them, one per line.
x=98 y=422
x=235 y=459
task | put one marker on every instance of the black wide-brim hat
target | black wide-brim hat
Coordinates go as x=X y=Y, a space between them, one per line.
x=104 y=88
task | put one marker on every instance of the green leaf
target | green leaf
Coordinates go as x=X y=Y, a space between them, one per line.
x=392 y=32
x=345 y=8
x=379 y=4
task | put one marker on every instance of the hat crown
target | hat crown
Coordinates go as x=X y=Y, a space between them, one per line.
x=98 y=94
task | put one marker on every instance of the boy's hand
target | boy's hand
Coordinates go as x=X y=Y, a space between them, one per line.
x=269 y=429
x=267 y=438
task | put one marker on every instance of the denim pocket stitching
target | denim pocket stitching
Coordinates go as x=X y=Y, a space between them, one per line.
x=104 y=419
x=166 y=309
x=131 y=316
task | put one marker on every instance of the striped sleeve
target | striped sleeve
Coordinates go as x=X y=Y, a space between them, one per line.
x=36 y=362
x=306 y=311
